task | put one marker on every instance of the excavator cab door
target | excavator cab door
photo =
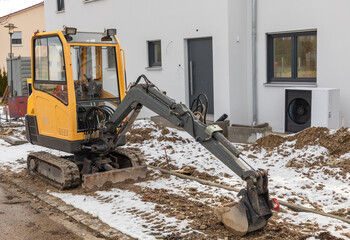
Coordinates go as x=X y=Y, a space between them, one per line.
x=50 y=87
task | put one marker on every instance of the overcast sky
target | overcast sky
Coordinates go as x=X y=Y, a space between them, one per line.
x=10 y=6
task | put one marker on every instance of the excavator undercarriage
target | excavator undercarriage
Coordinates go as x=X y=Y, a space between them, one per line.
x=68 y=172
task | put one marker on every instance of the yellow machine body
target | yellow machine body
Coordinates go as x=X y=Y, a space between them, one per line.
x=53 y=101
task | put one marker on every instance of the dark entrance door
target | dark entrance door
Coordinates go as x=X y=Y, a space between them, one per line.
x=200 y=65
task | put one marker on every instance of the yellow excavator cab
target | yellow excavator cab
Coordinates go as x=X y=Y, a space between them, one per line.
x=77 y=83
x=72 y=73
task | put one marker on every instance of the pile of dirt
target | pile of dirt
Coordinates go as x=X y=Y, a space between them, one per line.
x=139 y=135
x=337 y=143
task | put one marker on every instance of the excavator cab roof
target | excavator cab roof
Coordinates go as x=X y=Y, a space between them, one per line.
x=90 y=37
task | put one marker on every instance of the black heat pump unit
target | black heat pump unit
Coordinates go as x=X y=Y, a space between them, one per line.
x=297 y=110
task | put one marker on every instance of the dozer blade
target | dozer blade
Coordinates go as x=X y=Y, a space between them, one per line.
x=97 y=180
x=235 y=217
x=131 y=168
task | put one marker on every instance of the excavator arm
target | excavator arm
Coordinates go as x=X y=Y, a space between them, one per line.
x=253 y=210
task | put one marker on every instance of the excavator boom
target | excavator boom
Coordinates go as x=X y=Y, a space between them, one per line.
x=253 y=211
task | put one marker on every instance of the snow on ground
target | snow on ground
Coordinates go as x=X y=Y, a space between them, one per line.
x=287 y=183
x=182 y=187
x=118 y=207
x=12 y=157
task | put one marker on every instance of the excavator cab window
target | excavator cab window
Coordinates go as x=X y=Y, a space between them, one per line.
x=95 y=80
x=95 y=73
x=49 y=68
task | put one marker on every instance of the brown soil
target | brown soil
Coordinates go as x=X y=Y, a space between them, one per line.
x=201 y=217
x=193 y=172
x=337 y=144
x=139 y=135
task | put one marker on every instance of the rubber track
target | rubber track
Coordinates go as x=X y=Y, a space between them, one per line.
x=69 y=170
x=135 y=158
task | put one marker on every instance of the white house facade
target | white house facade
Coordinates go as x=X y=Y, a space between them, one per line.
x=298 y=44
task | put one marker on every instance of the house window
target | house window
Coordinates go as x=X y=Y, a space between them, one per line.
x=292 y=57
x=17 y=39
x=60 y=5
x=154 y=54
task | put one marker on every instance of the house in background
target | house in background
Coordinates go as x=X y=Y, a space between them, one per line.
x=242 y=53
x=27 y=21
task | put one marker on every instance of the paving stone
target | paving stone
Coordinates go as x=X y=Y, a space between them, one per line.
x=79 y=217
x=65 y=208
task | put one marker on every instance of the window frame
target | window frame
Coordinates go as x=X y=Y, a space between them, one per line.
x=270 y=58
x=17 y=44
x=108 y=69
x=48 y=81
x=151 y=55
x=60 y=5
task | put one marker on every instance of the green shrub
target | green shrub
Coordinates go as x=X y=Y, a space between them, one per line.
x=3 y=81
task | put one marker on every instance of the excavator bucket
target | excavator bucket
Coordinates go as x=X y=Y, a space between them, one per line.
x=252 y=211
x=236 y=218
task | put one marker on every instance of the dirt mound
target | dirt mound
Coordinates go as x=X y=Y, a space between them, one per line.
x=269 y=142
x=337 y=143
x=139 y=135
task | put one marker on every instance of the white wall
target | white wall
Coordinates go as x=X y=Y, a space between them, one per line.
x=329 y=18
x=239 y=12
x=170 y=21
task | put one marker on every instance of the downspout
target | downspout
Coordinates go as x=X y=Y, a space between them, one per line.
x=254 y=78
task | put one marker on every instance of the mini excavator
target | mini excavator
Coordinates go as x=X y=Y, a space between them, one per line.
x=78 y=103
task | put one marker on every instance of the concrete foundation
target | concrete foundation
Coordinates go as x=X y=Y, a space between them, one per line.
x=247 y=134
